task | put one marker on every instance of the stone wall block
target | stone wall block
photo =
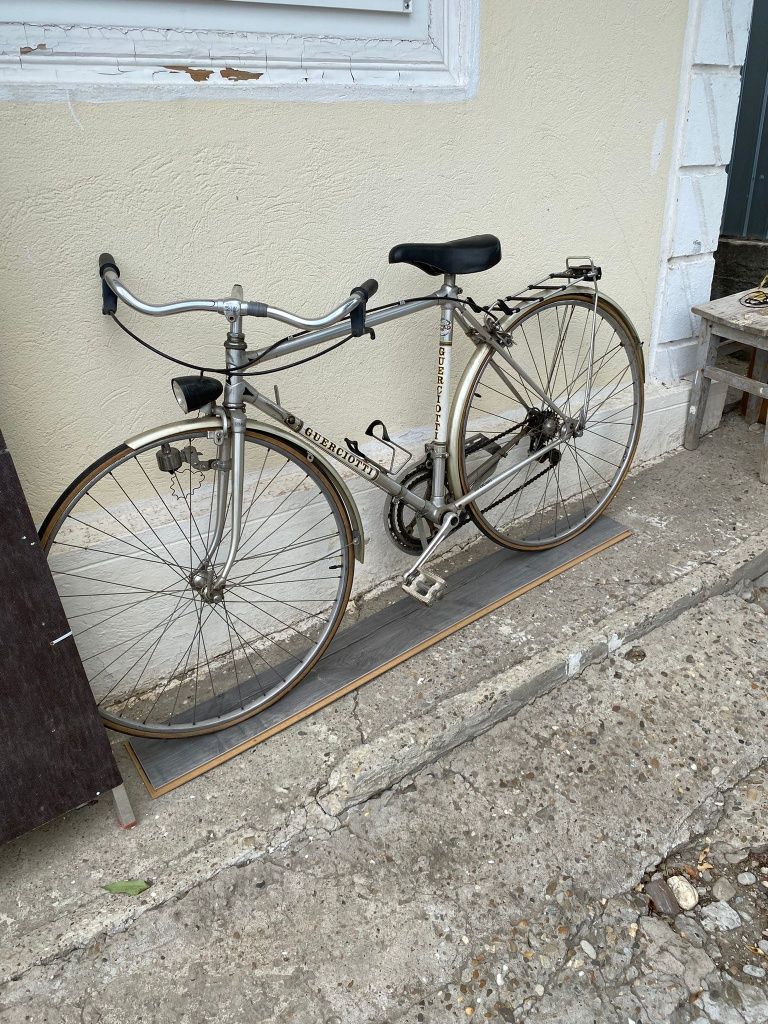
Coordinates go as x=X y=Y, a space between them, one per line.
x=723 y=32
x=687 y=284
x=698 y=212
x=711 y=117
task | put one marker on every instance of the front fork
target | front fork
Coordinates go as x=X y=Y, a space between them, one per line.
x=228 y=484
x=229 y=491
x=230 y=471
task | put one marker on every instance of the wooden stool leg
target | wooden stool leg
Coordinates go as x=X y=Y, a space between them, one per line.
x=700 y=390
x=759 y=373
x=123 y=810
x=764 y=462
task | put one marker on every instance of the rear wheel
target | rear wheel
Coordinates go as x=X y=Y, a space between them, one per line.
x=125 y=544
x=503 y=422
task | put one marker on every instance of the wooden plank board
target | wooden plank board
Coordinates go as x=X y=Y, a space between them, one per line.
x=737 y=380
x=729 y=312
x=367 y=649
x=54 y=751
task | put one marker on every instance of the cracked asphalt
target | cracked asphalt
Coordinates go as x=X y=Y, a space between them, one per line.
x=476 y=835
x=503 y=882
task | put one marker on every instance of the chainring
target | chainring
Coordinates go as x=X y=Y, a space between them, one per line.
x=401 y=520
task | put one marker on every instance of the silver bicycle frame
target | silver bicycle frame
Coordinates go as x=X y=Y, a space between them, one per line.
x=238 y=392
x=451 y=312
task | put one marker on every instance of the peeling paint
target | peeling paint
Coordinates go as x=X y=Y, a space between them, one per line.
x=196 y=74
x=234 y=75
x=103 y=63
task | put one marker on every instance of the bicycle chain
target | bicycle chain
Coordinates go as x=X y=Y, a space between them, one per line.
x=478 y=445
x=465 y=517
x=395 y=518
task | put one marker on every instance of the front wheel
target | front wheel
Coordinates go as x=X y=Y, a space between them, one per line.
x=126 y=543
x=502 y=421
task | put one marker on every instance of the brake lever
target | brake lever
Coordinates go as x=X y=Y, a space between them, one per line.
x=357 y=322
x=108 y=299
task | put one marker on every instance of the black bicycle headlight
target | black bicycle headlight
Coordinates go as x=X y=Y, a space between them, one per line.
x=193 y=393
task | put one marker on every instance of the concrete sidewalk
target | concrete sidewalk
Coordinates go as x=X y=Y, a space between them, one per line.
x=403 y=756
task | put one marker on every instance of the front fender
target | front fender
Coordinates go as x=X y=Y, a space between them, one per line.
x=279 y=433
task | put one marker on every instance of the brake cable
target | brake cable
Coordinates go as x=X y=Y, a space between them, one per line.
x=225 y=372
x=298 y=362
x=464 y=516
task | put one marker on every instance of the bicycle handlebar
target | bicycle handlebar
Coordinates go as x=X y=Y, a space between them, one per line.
x=231 y=307
x=367 y=289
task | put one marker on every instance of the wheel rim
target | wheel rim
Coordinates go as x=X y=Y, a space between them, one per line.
x=164 y=655
x=550 y=502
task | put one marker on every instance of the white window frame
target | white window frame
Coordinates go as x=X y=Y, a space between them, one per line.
x=354 y=5
x=102 y=63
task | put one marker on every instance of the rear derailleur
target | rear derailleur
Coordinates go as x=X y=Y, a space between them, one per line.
x=543 y=427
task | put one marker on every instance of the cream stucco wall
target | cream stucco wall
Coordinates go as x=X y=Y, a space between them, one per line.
x=563 y=151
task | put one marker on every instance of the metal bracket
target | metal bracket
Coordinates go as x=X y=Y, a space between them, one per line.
x=191 y=455
x=384 y=439
x=123 y=810
x=582 y=269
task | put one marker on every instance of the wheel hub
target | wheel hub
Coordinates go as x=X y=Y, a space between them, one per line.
x=203 y=581
x=543 y=426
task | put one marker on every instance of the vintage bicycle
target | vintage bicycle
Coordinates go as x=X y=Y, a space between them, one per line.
x=205 y=565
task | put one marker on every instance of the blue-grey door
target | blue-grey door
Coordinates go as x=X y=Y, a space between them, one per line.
x=746 y=202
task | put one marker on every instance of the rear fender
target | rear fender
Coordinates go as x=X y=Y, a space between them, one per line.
x=472 y=367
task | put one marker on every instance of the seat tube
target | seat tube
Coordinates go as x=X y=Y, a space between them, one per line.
x=438 y=448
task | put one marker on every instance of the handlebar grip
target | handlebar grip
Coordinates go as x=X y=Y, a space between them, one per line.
x=255 y=309
x=107 y=262
x=108 y=297
x=366 y=290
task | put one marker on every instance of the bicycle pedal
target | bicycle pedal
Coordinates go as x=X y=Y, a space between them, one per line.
x=426 y=587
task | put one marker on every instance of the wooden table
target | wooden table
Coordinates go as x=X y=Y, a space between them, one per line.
x=728 y=320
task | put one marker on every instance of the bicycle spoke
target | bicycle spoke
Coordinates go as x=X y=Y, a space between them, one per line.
x=274 y=512
x=167 y=646
x=153 y=647
x=144 y=549
x=121 y=608
x=564 y=344
x=304 y=611
x=144 y=519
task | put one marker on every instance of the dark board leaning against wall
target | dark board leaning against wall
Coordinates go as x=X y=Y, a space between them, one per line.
x=54 y=752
